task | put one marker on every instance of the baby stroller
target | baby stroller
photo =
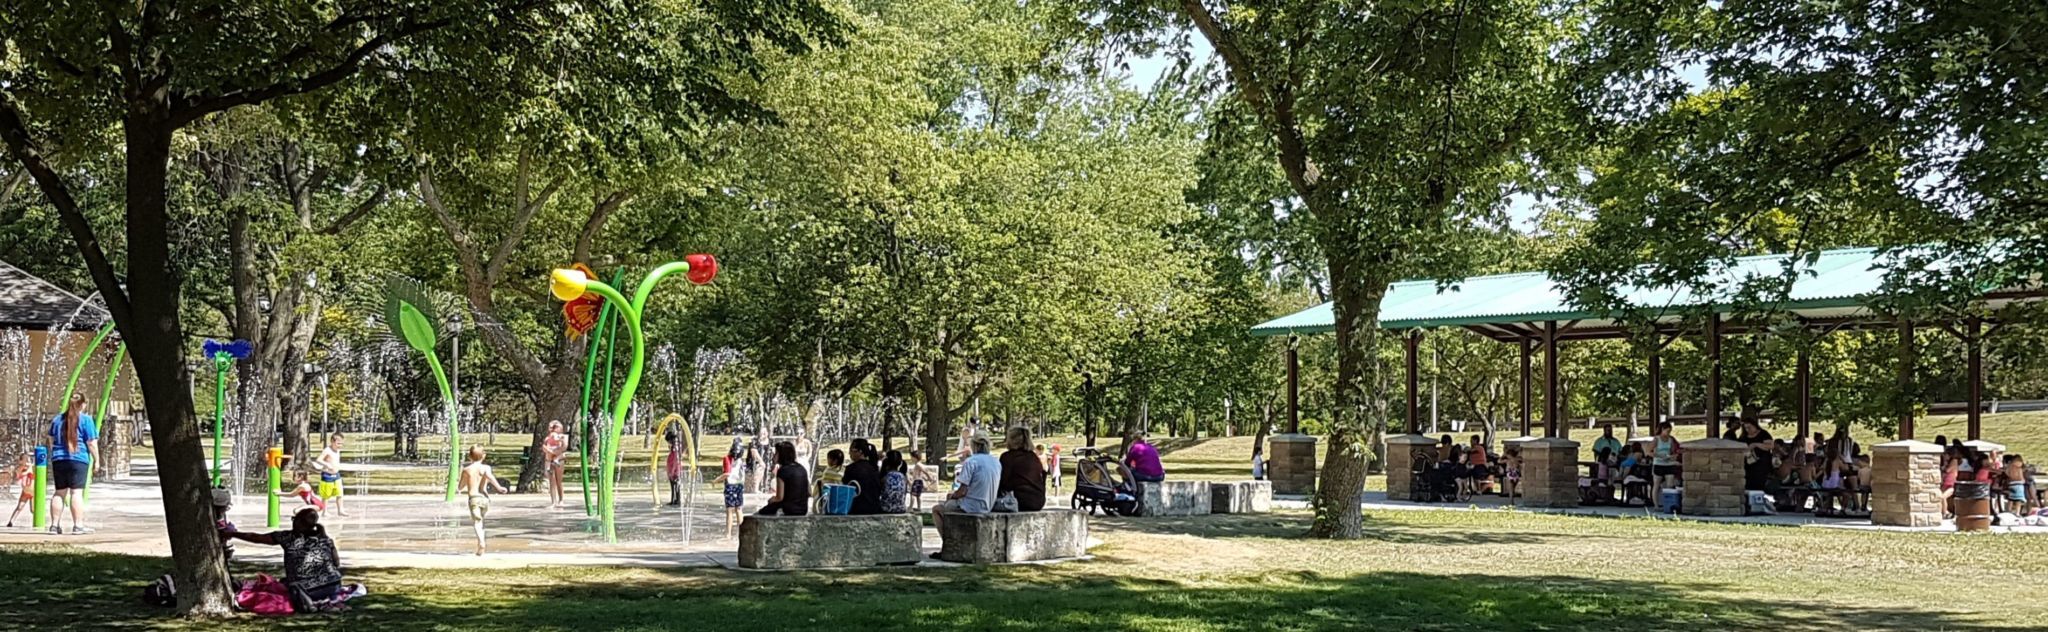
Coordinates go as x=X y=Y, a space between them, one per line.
x=1100 y=482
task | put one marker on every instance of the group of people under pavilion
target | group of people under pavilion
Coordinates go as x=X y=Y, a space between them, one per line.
x=1834 y=291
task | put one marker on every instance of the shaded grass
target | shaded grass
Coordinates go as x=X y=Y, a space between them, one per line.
x=1416 y=570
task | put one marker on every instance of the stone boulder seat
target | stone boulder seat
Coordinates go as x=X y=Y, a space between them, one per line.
x=1173 y=498
x=1238 y=497
x=1003 y=538
x=793 y=542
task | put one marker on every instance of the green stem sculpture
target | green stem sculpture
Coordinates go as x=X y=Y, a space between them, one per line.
x=583 y=412
x=569 y=284
x=411 y=316
x=99 y=414
x=221 y=363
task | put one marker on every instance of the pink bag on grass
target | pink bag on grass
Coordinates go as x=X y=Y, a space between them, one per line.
x=265 y=596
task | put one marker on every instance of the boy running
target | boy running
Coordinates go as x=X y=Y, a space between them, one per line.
x=477 y=483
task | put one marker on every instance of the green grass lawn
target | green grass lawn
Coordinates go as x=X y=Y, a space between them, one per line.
x=1417 y=570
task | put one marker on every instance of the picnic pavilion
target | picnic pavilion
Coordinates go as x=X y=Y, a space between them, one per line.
x=1834 y=291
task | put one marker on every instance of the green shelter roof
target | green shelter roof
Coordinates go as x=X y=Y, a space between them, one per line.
x=1834 y=284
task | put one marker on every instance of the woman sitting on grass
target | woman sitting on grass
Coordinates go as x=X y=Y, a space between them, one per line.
x=312 y=568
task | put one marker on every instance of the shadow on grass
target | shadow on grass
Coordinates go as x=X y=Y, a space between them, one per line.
x=62 y=589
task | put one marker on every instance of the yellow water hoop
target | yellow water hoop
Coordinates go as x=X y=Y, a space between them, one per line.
x=654 y=457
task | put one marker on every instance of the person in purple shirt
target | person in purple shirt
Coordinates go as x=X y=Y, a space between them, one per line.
x=1143 y=460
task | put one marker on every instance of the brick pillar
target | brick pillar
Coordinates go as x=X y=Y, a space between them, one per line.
x=1401 y=452
x=1291 y=463
x=1550 y=471
x=1905 y=484
x=1712 y=478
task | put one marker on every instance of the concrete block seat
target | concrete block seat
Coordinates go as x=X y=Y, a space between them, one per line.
x=1173 y=498
x=792 y=542
x=1241 y=496
x=1001 y=538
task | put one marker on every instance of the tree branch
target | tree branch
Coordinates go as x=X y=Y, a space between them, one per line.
x=598 y=213
x=356 y=214
x=465 y=256
x=1277 y=114
x=495 y=270
x=343 y=69
x=14 y=134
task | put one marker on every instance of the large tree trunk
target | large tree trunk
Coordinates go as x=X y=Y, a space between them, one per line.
x=1359 y=417
x=156 y=339
x=936 y=385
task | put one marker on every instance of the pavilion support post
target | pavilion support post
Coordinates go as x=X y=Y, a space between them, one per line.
x=1906 y=360
x=1526 y=407
x=1293 y=385
x=1553 y=401
x=1414 y=344
x=1803 y=378
x=1713 y=398
x=1974 y=339
x=1291 y=457
x=1656 y=387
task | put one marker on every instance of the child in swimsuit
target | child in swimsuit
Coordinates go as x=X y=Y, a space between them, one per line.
x=304 y=491
x=477 y=482
x=920 y=477
x=24 y=478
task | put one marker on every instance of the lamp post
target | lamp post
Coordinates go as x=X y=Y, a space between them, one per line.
x=568 y=285
x=1671 y=399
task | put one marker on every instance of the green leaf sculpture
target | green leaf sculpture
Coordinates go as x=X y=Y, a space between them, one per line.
x=410 y=314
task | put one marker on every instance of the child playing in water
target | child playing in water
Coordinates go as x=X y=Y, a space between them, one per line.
x=304 y=490
x=477 y=482
x=920 y=478
x=735 y=477
x=25 y=478
x=330 y=473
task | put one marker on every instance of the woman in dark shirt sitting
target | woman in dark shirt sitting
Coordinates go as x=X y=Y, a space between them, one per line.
x=792 y=485
x=865 y=474
x=1023 y=473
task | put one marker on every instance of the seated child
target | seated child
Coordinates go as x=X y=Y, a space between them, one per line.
x=833 y=472
x=304 y=490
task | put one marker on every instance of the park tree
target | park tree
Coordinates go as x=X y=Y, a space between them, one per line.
x=81 y=81
x=289 y=198
x=948 y=212
x=602 y=116
x=1729 y=129
x=1396 y=125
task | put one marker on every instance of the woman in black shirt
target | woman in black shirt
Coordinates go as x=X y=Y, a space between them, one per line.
x=792 y=485
x=1023 y=474
x=866 y=475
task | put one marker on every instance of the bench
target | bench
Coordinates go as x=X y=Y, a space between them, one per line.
x=789 y=542
x=1001 y=538
x=1174 y=498
x=1237 y=497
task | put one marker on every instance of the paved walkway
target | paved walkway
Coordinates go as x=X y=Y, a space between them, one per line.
x=419 y=530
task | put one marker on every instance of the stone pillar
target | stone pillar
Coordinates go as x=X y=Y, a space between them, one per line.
x=1401 y=453
x=1550 y=471
x=1905 y=485
x=1712 y=478
x=1291 y=463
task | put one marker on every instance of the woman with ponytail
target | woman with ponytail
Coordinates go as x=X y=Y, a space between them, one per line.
x=74 y=443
